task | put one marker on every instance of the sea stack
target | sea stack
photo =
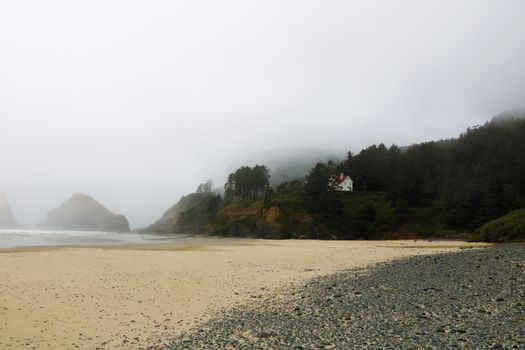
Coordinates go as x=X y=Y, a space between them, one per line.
x=7 y=219
x=83 y=213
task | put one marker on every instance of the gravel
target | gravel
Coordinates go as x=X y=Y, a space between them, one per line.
x=472 y=299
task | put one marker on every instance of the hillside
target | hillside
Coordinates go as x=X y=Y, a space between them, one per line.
x=508 y=228
x=367 y=216
x=446 y=188
x=83 y=213
x=168 y=223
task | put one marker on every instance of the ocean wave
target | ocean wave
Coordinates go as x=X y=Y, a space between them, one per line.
x=34 y=233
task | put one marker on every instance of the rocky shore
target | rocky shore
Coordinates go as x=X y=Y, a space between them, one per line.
x=470 y=299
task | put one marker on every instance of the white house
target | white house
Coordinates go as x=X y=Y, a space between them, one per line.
x=340 y=183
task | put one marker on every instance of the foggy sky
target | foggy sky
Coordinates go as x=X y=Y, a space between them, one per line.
x=137 y=102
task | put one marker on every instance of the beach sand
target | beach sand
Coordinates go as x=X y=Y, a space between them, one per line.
x=130 y=296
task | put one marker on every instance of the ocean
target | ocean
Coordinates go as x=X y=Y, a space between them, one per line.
x=15 y=238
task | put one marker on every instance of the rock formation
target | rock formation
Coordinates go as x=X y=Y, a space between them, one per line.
x=7 y=219
x=83 y=213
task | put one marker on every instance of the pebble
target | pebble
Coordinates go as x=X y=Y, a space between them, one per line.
x=424 y=302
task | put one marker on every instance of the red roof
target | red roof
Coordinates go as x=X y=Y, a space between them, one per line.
x=339 y=179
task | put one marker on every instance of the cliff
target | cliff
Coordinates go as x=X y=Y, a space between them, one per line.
x=169 y=222
x=83 y=213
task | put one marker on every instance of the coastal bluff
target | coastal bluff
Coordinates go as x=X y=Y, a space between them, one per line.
x=170 y=222
x=7 y=219
x=83 y=213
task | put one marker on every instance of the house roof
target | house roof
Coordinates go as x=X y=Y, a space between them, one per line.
x=340 y=178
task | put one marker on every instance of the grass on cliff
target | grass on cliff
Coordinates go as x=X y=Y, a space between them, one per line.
x=508 y=228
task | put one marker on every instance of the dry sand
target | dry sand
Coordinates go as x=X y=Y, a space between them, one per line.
x=125 y=297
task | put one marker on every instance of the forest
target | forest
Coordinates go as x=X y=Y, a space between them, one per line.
x=446 y=188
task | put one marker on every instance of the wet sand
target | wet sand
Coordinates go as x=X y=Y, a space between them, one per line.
x=129 y=296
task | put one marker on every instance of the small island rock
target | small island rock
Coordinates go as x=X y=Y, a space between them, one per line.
x=83 y=213
x=7 y=219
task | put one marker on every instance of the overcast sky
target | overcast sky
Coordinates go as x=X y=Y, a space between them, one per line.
x=137 y=102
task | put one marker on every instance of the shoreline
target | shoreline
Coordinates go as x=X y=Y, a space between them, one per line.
x=203 y=241
x=137 y=295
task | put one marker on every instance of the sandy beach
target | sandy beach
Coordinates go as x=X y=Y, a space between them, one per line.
x=131 y=296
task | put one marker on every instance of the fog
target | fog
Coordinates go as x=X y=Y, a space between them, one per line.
x=137 y=102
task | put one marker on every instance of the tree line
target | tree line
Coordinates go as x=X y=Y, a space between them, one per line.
x=455 y=184
x=247 y=183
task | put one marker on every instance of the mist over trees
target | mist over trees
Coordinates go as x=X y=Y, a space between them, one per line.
x=425 y=189
x=206 y=187
x=468 y=181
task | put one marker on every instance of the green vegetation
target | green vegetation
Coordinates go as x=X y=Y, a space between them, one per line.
x=170 y=223
x=445 y=188
x=247 y=184
x=508 y=228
